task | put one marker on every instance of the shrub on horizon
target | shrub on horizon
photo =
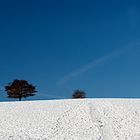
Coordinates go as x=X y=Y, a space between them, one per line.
x=78 y=94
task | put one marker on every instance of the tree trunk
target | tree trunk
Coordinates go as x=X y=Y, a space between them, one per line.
x=19 y=98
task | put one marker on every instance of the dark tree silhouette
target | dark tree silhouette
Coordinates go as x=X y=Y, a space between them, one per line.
x=20 y=89
x=78 y=94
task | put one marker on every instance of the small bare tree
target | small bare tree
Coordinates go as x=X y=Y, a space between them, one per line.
x=20 y=89
x=78 y=94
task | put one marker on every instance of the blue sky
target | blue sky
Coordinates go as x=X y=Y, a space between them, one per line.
x=62 y=45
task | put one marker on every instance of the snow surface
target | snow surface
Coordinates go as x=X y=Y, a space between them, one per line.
x=84 y=119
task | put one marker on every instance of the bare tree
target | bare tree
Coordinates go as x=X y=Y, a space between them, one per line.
x=20 y=89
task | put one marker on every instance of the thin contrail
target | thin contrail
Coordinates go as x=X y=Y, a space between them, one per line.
x=94 y=63
x=44 y=95
x=1 y=89
x=52 y=96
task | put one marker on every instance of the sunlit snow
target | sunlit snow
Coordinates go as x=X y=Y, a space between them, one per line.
x=84 y=119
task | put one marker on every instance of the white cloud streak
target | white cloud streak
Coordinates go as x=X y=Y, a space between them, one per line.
x=94 y=63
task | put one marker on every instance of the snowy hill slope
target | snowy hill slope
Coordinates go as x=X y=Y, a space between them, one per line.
x=85 y=119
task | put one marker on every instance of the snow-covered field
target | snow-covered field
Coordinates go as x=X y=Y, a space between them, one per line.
x=85 y=119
